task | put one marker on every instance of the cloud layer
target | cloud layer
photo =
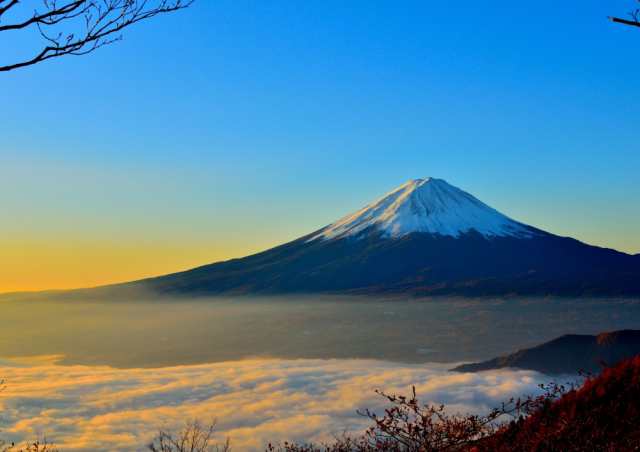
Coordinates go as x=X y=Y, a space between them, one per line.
x=253 y=401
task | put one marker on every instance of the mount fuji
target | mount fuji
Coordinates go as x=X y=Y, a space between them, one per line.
x=426 y=237
x=430 y=206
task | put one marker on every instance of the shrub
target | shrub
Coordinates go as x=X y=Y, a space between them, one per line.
x=194 y=437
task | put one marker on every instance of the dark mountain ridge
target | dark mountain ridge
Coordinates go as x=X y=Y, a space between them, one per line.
x=568 y=354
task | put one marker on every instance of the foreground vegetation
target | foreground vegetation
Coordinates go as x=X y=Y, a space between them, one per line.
x=599 y=415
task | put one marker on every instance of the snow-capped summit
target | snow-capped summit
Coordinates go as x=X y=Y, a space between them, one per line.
x=448 y=257
x=429 y=206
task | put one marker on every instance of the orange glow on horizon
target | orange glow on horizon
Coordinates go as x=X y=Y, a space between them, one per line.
x=49 y=265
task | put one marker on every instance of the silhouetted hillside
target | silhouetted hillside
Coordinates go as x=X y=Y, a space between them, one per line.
x=568 y=354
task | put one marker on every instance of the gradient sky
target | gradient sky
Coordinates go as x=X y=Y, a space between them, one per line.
x=237 y=125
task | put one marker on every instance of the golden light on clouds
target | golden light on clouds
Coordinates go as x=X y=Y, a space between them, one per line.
x=254 y=401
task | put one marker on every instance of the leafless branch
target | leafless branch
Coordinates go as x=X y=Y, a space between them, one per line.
x=78 y=27
x=634 y=20
x=194 y=437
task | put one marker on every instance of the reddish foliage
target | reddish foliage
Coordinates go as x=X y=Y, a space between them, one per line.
x=601 y=415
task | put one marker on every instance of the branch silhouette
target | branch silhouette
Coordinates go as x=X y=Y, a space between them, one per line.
x=78 y=27
x=634 y=20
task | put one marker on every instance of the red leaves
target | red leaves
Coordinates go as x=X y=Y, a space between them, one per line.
x=600 y=415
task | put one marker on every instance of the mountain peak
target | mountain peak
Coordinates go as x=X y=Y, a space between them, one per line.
x=417 y=183
x=426 y=205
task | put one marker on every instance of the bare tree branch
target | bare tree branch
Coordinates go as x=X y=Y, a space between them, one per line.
x=634 y=21
x=194 y=437
x=78 y=27
x=7 y=7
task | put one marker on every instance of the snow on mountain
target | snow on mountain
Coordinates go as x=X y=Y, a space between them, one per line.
x=430 y=206
x=442 y=259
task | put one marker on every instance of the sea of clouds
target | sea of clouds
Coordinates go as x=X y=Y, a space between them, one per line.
x=254 y=402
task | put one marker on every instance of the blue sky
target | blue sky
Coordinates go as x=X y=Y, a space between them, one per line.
x=236 y=125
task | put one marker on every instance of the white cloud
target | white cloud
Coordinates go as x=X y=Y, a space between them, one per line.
x=254 y=401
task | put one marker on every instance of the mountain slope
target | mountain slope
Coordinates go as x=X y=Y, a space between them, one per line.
x=568 y=354
x=424 y=238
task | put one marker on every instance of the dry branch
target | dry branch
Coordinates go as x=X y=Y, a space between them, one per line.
x=78 y=27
